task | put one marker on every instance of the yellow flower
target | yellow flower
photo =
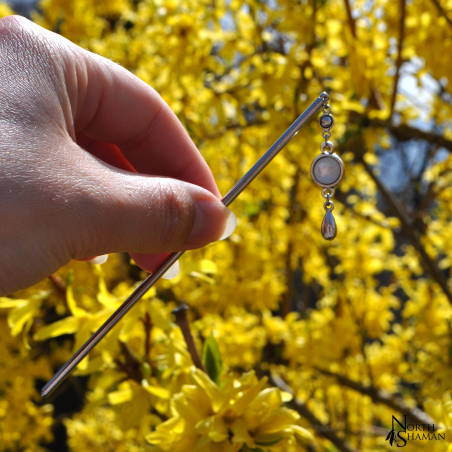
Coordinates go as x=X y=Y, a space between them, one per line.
x=207 y=418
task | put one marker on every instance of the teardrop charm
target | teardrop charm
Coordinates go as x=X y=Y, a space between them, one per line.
x=329 y=229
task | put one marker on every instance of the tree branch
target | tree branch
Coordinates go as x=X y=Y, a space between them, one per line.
x=351 y=20
x=402 y=132
x=147 y=322
x=324 y=430
x=407 y=228
x=181 y=319
x=286 y=305
x=131 y=366
x=59 y=285
x=383 y=397
x=399 y=54
x=442 y=12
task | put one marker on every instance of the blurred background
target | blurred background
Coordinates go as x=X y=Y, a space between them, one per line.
x=359 y=329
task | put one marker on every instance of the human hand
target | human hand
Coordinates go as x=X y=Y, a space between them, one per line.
x=92 y=161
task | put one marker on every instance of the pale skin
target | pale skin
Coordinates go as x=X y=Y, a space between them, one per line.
x=92 y=161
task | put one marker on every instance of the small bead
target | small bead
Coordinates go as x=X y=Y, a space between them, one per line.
x=326 y=121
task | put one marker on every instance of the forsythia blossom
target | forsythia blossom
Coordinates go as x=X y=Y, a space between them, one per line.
x=208 y=418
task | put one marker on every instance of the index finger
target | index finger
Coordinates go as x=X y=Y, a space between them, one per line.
x=120 y=108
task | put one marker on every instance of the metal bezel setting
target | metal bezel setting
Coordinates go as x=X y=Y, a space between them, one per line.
x=341 y=165
x=332 y=121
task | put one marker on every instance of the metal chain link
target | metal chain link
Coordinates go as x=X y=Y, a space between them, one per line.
x=327 y=135
x=328 y=206
x=327 y=193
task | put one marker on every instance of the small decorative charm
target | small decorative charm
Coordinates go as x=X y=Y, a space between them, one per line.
x=328 y=229
x=327 y=170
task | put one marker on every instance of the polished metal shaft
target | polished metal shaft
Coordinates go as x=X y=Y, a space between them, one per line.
x=173 y=257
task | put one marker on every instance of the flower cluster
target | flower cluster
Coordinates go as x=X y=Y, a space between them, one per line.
x=241 y=415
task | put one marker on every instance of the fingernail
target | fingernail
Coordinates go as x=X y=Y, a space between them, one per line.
x=211 y=217
x=99 y=259
x=230 y=225
x=172 y=272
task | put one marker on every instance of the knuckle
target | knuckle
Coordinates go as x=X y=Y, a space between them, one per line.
x=35 y=45
x=15 y=28
x=30 y=62
x=13 y=20
x=175 y=214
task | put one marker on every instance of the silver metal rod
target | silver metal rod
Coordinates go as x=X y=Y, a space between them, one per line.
x=173 y=257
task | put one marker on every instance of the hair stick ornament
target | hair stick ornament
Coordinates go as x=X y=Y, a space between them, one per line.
x=320 y=102
x=327 y=170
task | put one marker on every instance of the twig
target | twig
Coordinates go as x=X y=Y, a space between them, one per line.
x=375 y=99
x=342 y=197
x=219 y=77
x=442 y=12
x=411 y=233
x=403 y=132
x=59 y=285
x=310 y=45
x=324 y=430
x=181 y=319
x=351 y=20
x=131 y=366
x=229 y=127
x=383 y=397
x=286 y=305
x=147 y=342
x=399 y=54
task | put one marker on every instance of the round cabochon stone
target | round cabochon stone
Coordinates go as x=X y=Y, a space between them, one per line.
x=327 y=170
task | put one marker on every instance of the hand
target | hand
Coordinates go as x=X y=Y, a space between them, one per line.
x=92 y=161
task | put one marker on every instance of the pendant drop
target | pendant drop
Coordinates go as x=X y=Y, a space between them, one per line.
x=329 y=229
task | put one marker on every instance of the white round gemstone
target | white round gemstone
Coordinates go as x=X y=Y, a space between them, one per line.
x=327 y=170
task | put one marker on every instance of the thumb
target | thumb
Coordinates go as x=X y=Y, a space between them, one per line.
x=139 y=213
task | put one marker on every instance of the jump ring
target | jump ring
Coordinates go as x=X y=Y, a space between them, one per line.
x=326 y=136
x=327 y=205
x=324 y=96
x=326 y=109
x=328 y=195
x=329 y=145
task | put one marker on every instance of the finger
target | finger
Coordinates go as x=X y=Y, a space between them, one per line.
x=118 y=211
x=120 y=108
x=111 y=154
x=165 y=148
x=108 y=152
x=95 y=260
x=149 y=262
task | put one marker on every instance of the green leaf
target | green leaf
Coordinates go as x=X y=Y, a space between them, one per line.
x=252 y=208
x=245 y=448
x=268 y=443
x=211 y=358
x=69 y=277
